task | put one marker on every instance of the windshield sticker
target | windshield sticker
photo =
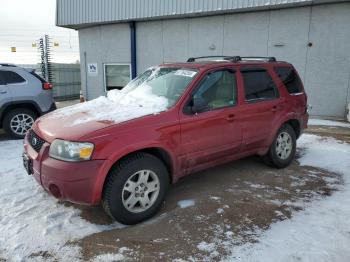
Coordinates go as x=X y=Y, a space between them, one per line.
x=187 y=73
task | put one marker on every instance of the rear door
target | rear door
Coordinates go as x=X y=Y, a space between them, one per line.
x=5 y=96
x=261 y=107
x=214 y=132
x=17 y=85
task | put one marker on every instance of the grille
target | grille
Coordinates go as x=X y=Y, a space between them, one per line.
x=35 y=141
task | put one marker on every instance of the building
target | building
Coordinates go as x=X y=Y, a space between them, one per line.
x=121 y=38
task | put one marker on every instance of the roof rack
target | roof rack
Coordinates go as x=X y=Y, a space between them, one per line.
x=5 y=64
x=229 y=58
x=265 y=58
x=236 y=58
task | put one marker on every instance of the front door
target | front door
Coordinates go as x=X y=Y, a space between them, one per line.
x=213 y=131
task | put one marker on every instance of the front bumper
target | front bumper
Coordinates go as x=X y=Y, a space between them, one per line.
x=77 y=182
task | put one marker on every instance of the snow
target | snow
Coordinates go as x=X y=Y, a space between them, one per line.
x=215 y=198
x=109 y=257
x=119 y=106
x=31 y=220
x=186 y=203
x=220 y=211
x=323 y=122
x=322 y=231
x=208 y=247
x=113 y=256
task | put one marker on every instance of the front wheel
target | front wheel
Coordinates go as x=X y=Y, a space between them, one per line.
x=283 y=148
x=135 y=188
x=18 y=121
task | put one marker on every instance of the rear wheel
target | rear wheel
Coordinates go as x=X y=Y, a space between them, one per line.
x=283 y=148
x=135 y=188
x=18 y=121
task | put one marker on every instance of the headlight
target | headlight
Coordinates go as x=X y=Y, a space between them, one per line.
x=71 y=151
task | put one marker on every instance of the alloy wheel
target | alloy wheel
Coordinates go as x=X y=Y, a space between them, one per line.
x=140 y=191
x=284 y=145
x=21 y=123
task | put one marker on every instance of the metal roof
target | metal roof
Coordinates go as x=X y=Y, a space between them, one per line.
x=83 y=13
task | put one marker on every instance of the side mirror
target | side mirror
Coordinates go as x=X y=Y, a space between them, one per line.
x=199 y=104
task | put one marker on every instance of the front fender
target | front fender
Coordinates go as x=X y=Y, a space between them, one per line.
x=118 y=155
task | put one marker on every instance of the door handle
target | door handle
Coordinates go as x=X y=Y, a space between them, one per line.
x=3 y=92
x=231 y=117
x=274 y=109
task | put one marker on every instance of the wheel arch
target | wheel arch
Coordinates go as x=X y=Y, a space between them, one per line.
x=292 y=121
x=295 y=124
x=159 y=152
x=6 y=108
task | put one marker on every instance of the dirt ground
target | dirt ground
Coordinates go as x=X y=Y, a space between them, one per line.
x=232 y=203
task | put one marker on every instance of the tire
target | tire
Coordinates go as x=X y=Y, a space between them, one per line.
x=283 y=148
x=23 y=117
x=126 y=177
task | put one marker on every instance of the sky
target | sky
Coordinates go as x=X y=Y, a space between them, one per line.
x=23 y=22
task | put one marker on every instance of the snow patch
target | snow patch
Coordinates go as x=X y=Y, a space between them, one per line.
x=119 y=106
x=109 y=257
x=322 y=122
x=322 y=231
x=31 y=220
x=207 y=247
x=220 y=211
x=215 y=198
x=186 y=203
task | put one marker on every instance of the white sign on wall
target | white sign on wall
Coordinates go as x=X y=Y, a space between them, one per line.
x=92 y=69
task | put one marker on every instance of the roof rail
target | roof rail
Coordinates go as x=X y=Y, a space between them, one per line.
x=229 y=58
x=5 y=64
x=236 y=58
x=265 y=58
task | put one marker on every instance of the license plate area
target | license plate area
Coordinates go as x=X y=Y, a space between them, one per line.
x=28 y=164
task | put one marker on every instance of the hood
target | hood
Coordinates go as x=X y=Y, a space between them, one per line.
x=74 y=122
x=50 y=128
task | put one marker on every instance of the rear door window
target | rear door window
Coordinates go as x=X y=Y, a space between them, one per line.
x=258 y=85
x=11 y=77
x=290 y=79
x=2 y=81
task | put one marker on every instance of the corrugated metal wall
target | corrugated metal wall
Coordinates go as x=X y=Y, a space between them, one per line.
x=285 y=33
x=67 y=83
x=75 y=13
x=66 y=80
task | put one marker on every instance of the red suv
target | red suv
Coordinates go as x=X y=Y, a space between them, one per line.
x=124 y=150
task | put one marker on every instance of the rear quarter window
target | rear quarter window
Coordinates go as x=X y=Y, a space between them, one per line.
x=11 y=77
x=42 y=80
x=290 y=79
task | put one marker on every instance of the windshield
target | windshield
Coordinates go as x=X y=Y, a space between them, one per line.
x=167 y=83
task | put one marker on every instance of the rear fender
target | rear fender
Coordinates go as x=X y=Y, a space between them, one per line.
x=275 y=127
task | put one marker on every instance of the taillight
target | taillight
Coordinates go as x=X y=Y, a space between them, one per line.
x=47 y=86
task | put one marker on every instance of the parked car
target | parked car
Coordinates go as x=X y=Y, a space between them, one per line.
x=125 y=155
x=24 y=96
